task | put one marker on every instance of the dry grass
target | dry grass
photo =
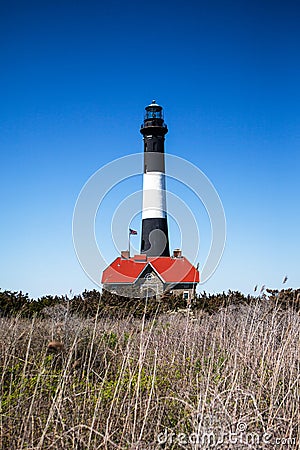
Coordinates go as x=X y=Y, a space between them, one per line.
x=119 y=383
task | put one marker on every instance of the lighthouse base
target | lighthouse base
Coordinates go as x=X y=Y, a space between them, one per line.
x=155 y=241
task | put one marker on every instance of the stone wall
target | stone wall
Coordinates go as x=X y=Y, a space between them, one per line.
x=150 y=286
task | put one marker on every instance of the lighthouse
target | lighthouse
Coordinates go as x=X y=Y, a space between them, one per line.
x=153 y=272
x=155 y=236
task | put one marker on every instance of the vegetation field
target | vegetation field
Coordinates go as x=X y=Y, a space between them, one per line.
x=196 y=378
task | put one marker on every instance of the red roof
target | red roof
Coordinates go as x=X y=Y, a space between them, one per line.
x=171 y=270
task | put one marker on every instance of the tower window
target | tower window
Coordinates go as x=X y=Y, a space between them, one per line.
x=154 y=146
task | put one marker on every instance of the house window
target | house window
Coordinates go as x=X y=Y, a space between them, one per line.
x=186 y=295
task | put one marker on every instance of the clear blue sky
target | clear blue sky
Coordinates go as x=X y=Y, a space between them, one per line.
x=75 y=78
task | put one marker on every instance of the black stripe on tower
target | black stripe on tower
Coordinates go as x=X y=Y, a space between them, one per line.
x=155 y=241
x=155 y=236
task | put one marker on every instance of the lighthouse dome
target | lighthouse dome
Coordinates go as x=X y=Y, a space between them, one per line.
x=154 y=111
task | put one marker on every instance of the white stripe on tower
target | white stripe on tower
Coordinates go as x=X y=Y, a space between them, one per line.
x=154 y=195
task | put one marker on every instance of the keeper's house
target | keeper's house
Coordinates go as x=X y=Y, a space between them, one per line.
x=144 y=276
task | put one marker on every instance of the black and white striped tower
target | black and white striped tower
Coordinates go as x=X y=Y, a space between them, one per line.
x=155 y=238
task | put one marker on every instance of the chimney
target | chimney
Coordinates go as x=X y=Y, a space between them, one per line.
x=177 y=253
x=125 y=254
